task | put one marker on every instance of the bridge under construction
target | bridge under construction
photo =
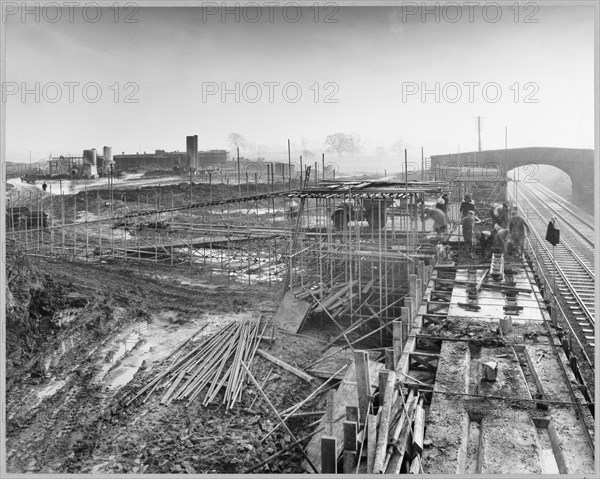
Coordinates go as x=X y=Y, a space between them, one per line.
x=414 y=353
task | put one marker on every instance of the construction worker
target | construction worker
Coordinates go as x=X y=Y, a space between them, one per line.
x=499 y=215
x=442 y=203
x=485 y=241
x=467 y=205
x=44 y=186
x=468 y=229
x=440 y=221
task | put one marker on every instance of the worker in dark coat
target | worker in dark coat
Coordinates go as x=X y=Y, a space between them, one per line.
x=467 y=205
x=485 y=241
x=553 y=232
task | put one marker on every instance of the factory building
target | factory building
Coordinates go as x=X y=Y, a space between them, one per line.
x=159 y=160
x=85 y=166
x=165 y=160
x=91 y=164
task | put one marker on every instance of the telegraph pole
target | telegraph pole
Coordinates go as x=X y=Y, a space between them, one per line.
x=406 y=169
x=478 y=133
x=506 y=162
x=289 y=166
x=239 y=172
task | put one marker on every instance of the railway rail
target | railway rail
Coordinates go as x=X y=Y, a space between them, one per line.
x=571 y=259
x=580 y=224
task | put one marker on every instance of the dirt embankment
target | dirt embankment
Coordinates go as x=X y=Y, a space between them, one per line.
x=32 y=299
x=71 y=373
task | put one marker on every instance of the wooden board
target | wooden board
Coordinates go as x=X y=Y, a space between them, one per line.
x=328 y=367
x=291 y=313
x=346 y=395
x=286 y=366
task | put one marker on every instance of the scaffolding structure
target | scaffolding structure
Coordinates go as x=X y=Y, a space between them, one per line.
x=250 y=232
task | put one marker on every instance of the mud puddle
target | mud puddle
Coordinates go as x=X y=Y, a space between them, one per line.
x=152 y=342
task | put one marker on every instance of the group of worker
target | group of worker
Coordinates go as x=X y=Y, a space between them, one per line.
x=486 y=239
x=468 y=221
x=440 y=212
x=507 y=232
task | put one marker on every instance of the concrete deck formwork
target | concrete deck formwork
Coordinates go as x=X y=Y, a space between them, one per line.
x=497 y=427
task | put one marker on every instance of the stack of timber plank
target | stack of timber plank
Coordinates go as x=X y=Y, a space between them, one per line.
x=215 y=363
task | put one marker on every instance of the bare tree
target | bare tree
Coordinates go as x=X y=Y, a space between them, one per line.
x=343 y=143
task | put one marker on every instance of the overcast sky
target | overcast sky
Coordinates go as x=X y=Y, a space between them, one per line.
x=543 y=71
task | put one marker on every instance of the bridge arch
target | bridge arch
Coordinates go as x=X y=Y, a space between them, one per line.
x=575 y=162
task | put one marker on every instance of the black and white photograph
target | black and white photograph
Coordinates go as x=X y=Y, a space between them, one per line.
x=304 y=237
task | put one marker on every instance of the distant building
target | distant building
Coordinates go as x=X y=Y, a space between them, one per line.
x=89 y=164
x=200 y=160
x=163 y=160
x=159 y=160
x=212 y=157
x=75 y=166
x=283 y=169
x=65 y=165
x=92 y=164
x=191 y=145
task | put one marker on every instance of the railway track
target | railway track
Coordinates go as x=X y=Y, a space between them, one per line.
x=573 y=256
x=580 y=224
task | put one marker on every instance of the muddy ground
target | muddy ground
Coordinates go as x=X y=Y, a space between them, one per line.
x=69 y=376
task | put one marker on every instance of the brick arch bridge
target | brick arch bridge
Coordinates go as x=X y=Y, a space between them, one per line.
x=577 y=163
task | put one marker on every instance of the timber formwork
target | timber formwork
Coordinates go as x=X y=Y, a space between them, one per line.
x=485 y=384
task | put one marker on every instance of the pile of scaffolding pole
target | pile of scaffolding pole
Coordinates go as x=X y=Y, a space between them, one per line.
x=212 y=365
